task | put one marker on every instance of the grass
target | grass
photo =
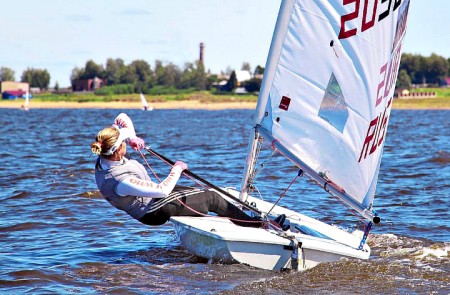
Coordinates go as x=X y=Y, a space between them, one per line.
x=442 y=101
x=202 y=96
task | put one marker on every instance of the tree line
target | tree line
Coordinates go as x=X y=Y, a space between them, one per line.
x=139 y=76
x=419 y=70
x=35 y=77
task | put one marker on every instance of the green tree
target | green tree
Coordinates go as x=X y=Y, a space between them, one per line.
x=56 y=86
x=129 y=76
x=253 y=85
x=436 y=69
x=169 y=75
x=36 y=78
x=201 y=77
x=76 y=74
x=92 y=70
x=159 y=73
x=415 y=65
x=232 y=82
x=114 y=69
x=6 y=74
x=448 y=70
x=403 y=80
x=188 y=77
x=210 y=80
x=259 y=70
x=142 y=70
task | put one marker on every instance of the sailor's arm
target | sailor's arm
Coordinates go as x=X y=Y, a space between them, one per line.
x=123 y=121
x=134 y=186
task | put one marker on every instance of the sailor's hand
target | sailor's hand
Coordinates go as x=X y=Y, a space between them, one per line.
x=182 y=165
x=137 y=143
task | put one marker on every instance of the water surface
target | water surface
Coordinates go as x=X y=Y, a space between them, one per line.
x=58 y=235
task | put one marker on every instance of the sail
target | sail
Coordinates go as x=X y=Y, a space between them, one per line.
x=328 y=87
x=144 y=102
x=27 y=101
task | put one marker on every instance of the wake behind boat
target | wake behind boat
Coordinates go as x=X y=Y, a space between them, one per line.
x=324 y=104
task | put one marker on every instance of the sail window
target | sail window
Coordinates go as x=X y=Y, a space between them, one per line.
x=333 y=108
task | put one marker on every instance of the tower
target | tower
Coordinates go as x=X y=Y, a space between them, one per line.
x=202 y=47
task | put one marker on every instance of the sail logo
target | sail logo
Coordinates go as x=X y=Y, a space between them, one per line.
x=375 y=133
x=284 y=103
x=363 y=23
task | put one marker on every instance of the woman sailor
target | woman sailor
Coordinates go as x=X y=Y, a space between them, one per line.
x=126 y=185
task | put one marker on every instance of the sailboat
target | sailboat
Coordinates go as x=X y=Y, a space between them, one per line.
x=145 y=105
x=324 y=105
x=26 y=105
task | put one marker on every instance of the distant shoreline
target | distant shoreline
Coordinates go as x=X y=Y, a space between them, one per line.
x=185 y=104
x=188 y=104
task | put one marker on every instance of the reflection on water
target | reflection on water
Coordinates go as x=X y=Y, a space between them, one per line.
x=58 y=235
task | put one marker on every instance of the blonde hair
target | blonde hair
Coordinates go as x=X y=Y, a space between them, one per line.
x=104 y=140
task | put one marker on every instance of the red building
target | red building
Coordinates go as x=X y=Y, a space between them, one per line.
x=88 y=85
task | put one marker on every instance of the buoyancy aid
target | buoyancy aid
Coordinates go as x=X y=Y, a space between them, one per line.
x=107 y=181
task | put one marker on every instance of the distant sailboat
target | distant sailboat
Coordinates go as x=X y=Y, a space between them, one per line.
x=145 y=105
x=26 y=105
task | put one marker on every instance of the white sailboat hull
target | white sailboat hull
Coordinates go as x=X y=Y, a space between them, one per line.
x=221 y=240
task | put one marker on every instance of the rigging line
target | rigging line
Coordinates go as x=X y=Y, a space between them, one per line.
x=206 y=182
x=184 y=204
x=262 y=165
x=300 y=173
x=171 y=164
x=148 y=165
x=178 y=199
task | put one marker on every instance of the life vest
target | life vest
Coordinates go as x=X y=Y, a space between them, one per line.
x=107 y=181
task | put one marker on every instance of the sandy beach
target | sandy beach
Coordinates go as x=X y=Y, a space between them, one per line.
x=188 y=104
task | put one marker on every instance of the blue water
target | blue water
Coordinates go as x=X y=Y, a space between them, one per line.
x=58 y=235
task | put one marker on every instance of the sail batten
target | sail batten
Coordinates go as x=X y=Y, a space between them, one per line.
x=327 y=90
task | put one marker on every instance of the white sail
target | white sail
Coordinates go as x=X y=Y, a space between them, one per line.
x=145 y=105
x=328 y=87
x=26 y=106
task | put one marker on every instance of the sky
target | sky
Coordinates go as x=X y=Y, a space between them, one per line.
x=59 y=35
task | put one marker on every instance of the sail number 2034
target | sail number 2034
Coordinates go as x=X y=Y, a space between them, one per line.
x=366 y=22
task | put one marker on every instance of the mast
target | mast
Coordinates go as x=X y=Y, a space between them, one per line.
x=269 y=73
